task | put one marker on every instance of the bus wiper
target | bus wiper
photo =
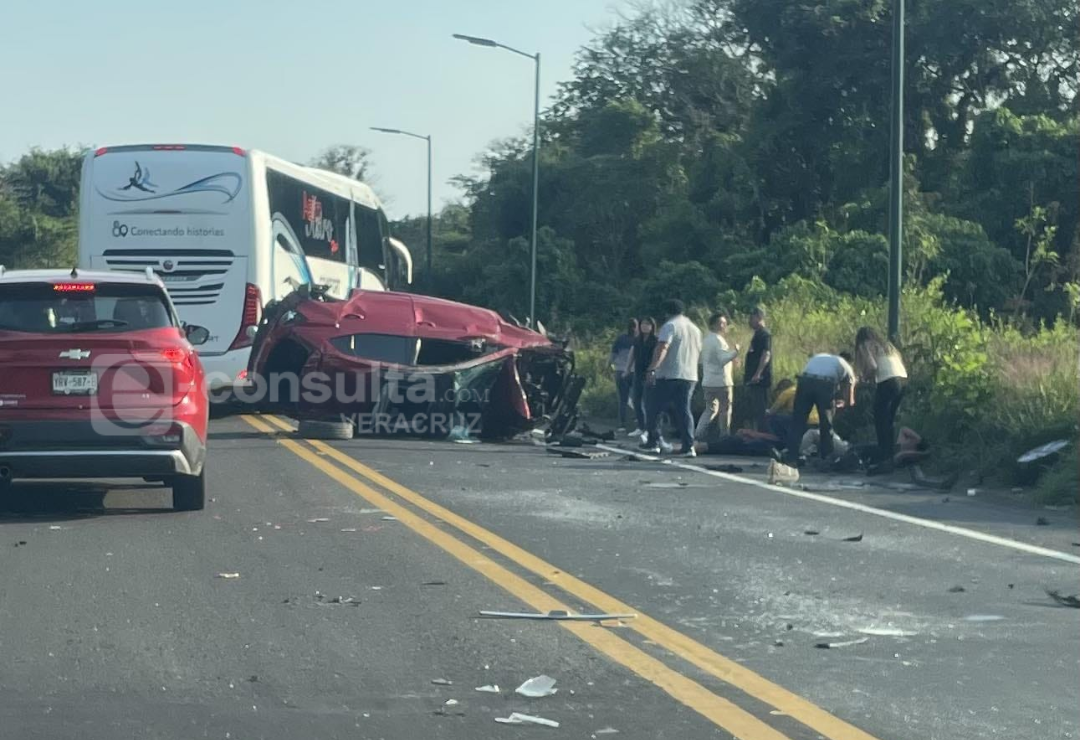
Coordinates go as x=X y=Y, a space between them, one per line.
x=92 y=325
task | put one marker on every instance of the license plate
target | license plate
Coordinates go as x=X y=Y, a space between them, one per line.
x=74 y=383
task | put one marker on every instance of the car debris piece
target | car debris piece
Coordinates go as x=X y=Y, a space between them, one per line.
x=1043 y=451
x=780 y=474
x=1063 y=600
x=228 y=575
x=957 y=590
x=389 y=518
x=450 y=703
x=491 y=688
x=667 y=484
x=886 y=632
x=578 y=454
x=725 y=468
x=516 y=718
x=1042 y=522
x=983 y=618
x=842 y=644
x=442 y=682
x=318 y=520
x=607 y=731
x=538 y=687
x=854 y=538
x=433 y=583
x=453 y=365
x=556 y=614
x=811 y=532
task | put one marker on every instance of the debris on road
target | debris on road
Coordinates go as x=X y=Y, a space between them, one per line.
x=228 y=575
x=516 y=718
x=349 y=529
x=491 y=688
x=450 y=703
x=442 y=682
x=811 y=532
x=556 y=614
x=20 y=542
x=55 y=528
x=1042 y=522
x=671 y=484
x=983 y=618
x=725 y=468
x=389 y=518
x=886 y=632
x=780 y=474
x=577 y=454
x=538 y=687
x=318 y=520
x=957 y=590
x=942 y=484
x=1063 y=600
x=843 y=644
x=433 y=583
x=854 y=538
x=606 y=731
x=972 y=491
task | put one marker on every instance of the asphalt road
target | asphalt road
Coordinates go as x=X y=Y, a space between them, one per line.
x=114 y=622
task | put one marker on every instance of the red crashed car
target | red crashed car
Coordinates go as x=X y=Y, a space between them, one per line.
x=385 y=362
x=99 y=380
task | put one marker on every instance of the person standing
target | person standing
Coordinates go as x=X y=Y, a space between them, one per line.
x=879 y=360
x=640 y=356
x=673 y=373
x=825 y=379
x=758 y=371
x=621 y=350
x=716 y=377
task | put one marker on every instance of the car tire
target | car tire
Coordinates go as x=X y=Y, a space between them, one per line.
x=189 y=492
x=320 y=429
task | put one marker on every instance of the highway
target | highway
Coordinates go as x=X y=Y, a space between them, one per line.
x=334 y=590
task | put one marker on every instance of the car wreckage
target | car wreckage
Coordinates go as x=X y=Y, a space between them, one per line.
x=387 y=362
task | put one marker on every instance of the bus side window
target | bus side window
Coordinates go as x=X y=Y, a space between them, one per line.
x=369 y=240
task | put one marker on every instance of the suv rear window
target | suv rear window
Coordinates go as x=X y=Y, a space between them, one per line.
x=78 y=308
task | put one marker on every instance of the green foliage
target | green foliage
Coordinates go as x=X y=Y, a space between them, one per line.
x=39 y=208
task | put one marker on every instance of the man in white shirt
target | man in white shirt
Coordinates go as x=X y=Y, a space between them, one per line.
x=823 y=381
x=673 y=374
x=716 y=377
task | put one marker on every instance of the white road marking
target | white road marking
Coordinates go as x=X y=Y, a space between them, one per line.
x=907 y=519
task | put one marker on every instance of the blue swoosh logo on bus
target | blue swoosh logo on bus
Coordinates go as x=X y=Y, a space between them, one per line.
x=226 y=183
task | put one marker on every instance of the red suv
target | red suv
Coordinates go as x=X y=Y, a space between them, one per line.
x=99 y=379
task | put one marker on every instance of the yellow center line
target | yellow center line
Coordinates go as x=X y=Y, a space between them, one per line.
x=716 y=709
x=685 y=647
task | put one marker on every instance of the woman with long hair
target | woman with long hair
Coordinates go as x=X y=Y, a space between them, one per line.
x=879 y=360
x=640 y=357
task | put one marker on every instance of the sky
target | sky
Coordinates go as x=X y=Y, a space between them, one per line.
x=289 y=78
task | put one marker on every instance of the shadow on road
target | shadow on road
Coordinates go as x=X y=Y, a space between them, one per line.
x=63 y=501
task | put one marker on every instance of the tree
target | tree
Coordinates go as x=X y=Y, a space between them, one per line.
x=345 y=159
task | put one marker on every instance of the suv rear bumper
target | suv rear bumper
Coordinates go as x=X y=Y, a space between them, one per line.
x=41 y=449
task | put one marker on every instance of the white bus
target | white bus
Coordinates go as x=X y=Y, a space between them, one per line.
x=230 y=229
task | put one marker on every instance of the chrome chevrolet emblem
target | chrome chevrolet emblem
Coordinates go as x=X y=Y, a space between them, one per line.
x=75 y=354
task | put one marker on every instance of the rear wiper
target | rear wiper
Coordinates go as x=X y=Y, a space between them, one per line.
x=91 y=325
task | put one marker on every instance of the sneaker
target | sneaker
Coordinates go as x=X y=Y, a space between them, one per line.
x=636 y=433
x=666 y=447
x=652 y=450
x=689 y=453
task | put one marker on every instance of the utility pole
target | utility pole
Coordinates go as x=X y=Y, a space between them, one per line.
x=896 y=172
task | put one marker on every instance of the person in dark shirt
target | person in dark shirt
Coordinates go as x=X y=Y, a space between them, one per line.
x=640 y=356
x=758 y=370
x=619 y=361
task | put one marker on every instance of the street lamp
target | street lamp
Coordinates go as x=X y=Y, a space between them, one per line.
x=896 y=170
x=536 y=156
x=428 y=140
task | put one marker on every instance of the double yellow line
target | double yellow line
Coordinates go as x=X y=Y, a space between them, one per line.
x=713 y=707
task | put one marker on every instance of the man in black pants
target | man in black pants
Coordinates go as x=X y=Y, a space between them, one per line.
x=825 y=379
x=758 y=370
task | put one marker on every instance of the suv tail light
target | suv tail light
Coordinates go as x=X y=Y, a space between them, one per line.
x=250 y=317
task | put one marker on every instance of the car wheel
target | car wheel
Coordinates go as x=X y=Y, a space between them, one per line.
x=321 y=429
x=189 y=492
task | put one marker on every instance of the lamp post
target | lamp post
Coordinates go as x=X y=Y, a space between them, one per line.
x=535 y=158
x=428 y=140
x=896 y=170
